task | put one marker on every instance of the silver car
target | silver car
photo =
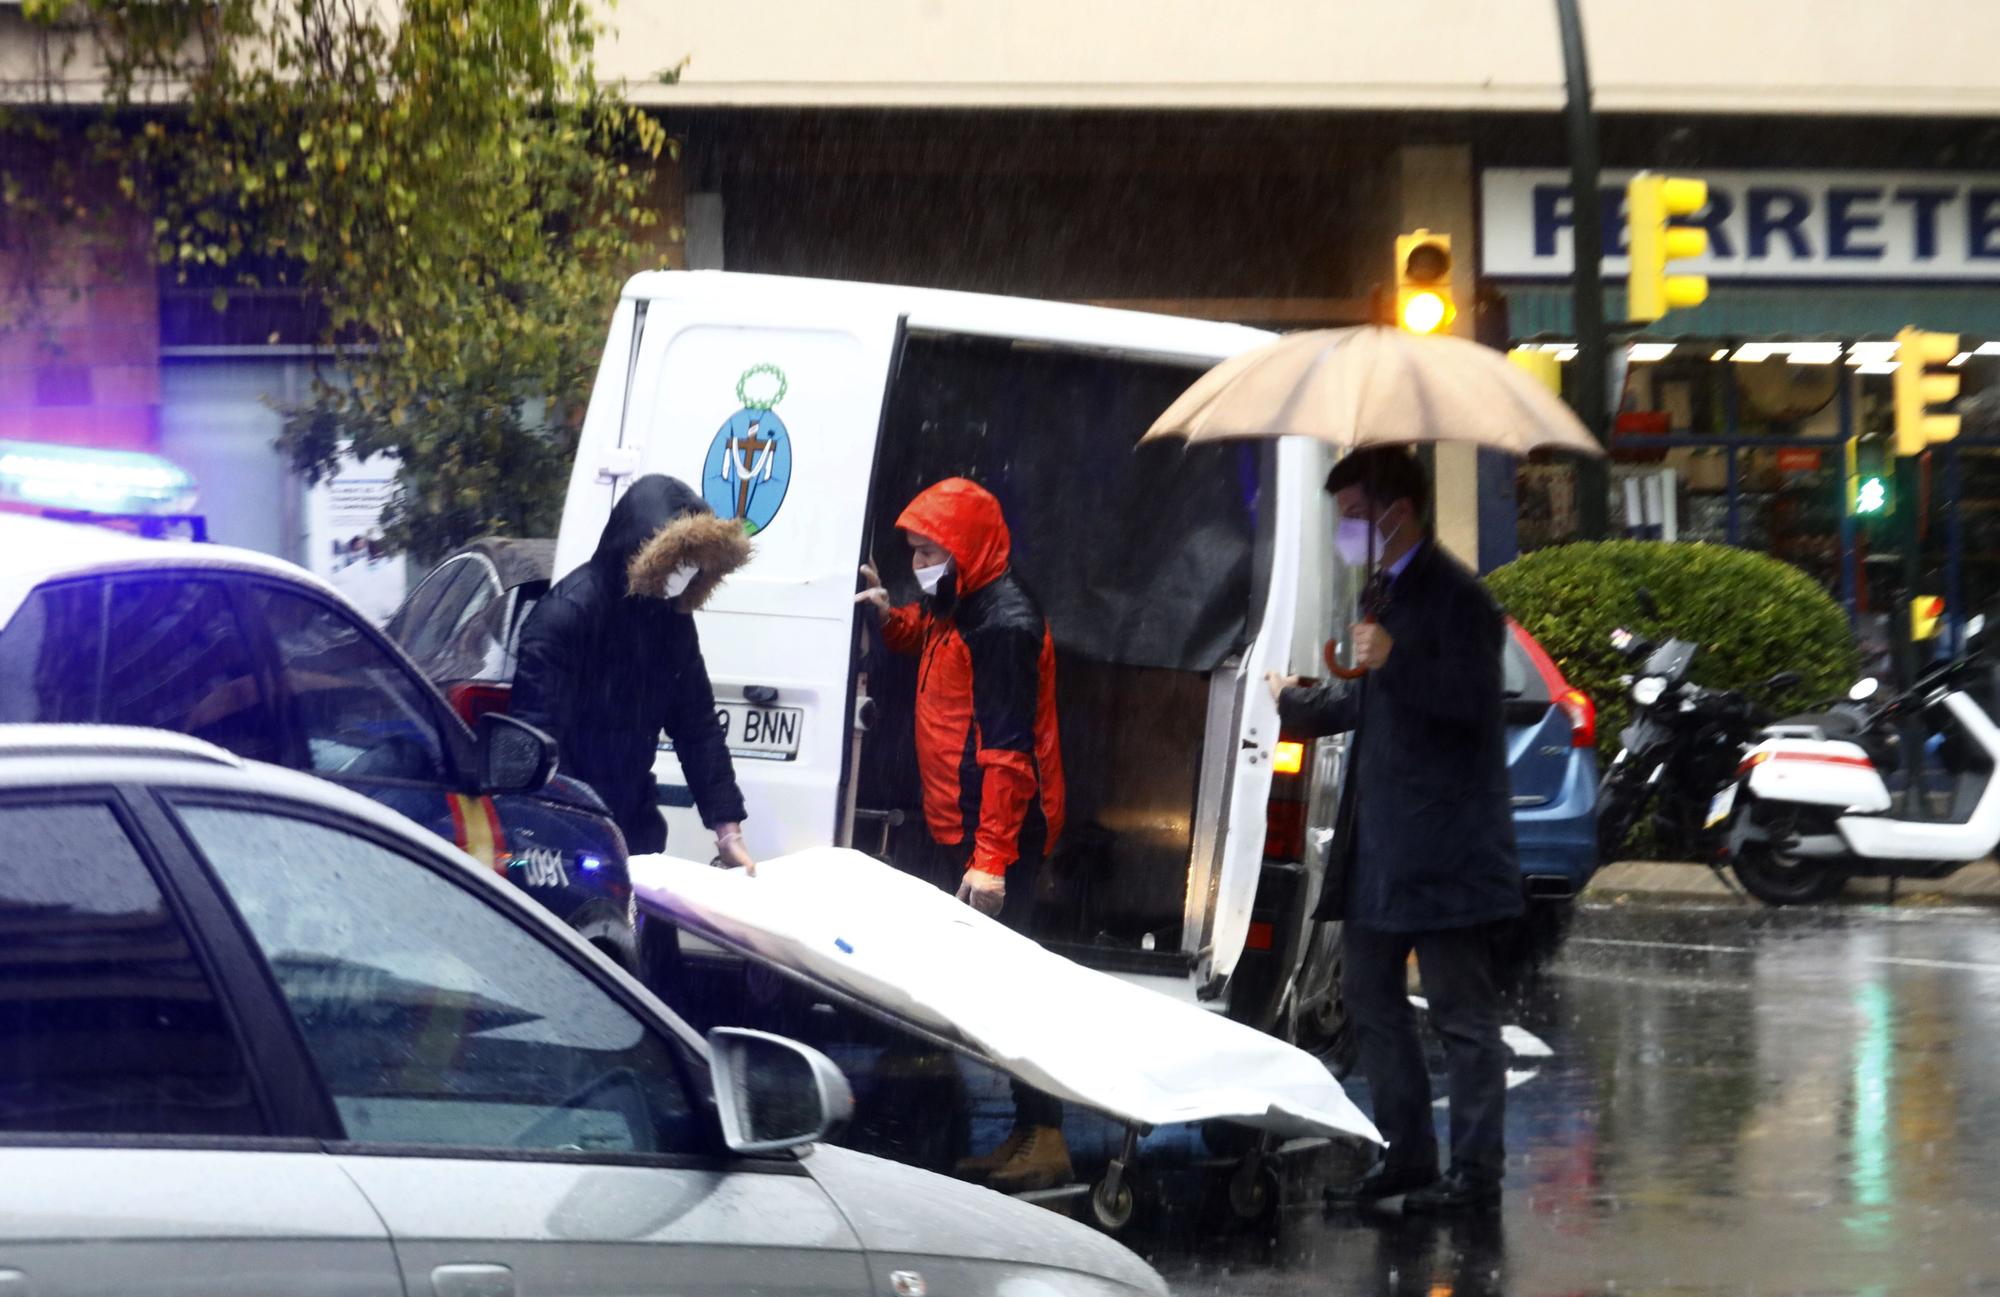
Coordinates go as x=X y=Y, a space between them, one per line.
x=259 y=1034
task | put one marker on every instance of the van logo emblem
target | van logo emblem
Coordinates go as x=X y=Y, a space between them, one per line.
x=749 y=464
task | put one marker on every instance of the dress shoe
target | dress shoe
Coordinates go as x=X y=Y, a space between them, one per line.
x=1040 y=1162
x=1381 y=1181
x=1457 y=1192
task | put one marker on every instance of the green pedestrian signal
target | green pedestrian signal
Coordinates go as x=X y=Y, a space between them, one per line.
x=1870 y=480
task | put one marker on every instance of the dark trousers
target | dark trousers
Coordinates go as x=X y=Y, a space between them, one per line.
x=944 y=864
x=1457 y=969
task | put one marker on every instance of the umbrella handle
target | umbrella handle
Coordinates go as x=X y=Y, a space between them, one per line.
x=1332 y=655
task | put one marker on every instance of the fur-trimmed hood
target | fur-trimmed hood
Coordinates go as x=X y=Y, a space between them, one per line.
x=659 y=524
x=717 y=546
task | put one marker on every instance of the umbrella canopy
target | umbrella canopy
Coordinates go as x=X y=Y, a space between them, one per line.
x=1375 y=386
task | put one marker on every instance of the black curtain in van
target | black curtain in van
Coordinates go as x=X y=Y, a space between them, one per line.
x=1138 y=555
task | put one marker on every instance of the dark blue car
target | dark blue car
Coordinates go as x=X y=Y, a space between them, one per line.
x=264 y=660
x=1552 y=764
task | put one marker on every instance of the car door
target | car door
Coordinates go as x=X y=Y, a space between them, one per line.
x=140 y=1150
x=361 y=717
x=514 y=1114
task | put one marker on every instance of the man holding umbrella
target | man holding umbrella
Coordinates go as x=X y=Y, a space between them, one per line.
x=1425 y=863
x=1425 y=860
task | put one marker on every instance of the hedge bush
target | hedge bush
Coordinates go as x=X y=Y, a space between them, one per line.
x=1752 y=615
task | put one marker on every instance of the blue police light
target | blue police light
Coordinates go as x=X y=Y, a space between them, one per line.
x=94 y=481
x=590 y=864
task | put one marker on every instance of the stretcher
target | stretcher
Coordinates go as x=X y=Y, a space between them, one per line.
x=896 y=948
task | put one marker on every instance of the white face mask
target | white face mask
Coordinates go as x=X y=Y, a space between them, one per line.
x=1352 y=536
x=930 y=577
x=680 y=578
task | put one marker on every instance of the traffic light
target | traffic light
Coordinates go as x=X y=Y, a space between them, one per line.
x=1871 y=482
x=1925 y=612
x=1423 y=283
x=1918 y=389
x=1651 y=203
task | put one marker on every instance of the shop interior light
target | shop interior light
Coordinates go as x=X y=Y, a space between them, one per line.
x=1959 y=360
x=1987 y=349
x=1647 y=353
x=1797 y=353
x=1721 y=354
x=92 y=481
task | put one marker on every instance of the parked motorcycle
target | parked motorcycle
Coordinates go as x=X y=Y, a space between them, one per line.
x=1811 y=807
x=1684 y=743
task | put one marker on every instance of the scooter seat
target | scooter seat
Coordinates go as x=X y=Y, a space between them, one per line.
x=1834 y=725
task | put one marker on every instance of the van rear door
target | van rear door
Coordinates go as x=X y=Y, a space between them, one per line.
x=775 y=423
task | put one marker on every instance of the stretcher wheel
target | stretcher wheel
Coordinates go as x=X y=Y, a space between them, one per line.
x=1253 y=1191
x=1112 y=1207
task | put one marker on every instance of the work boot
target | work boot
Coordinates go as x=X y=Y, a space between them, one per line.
x=979 y=1169
x=1041 y=1162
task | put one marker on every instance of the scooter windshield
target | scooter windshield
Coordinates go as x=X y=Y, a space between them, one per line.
x=1670 y=661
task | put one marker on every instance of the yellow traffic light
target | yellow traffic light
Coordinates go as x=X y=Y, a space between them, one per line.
x=1918 y=390
x=1651 y=203
x=1925 y=612
x=1423 y=282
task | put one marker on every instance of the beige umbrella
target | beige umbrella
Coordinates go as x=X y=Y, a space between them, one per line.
x=1375 y=386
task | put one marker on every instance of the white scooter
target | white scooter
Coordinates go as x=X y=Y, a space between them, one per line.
x=1810 y=807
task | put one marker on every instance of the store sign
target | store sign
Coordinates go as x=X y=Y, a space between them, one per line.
x=1791 y=225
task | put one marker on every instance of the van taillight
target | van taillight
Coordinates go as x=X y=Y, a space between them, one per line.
x=1582 y=715
x=472 y=699
x=1285 y=813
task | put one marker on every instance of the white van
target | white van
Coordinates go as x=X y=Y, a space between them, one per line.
x=1171 y=577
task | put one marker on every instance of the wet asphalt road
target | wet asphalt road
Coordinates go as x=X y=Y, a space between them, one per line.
x=1738 y=1101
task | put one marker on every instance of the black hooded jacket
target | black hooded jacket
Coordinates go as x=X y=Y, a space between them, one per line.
x=605 y=671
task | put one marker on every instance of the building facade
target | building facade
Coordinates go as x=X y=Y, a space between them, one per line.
x=1255 y=163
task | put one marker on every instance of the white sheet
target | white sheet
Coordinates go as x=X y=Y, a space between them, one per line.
x=913 y=951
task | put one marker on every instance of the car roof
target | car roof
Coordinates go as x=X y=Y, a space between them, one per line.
x=776 y=299
x=519 y=561
x=41 y=756
x=34 y=551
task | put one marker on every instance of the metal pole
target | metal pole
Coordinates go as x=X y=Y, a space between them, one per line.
x=1909 y=485
x=1587 y=227
x=1954 y=573
x=1848 y=556
x=1732 y=431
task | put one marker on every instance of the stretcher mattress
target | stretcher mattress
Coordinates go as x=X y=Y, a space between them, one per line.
x=913 y=953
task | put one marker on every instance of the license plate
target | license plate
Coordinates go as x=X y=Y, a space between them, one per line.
x=1719 y=809
x=757 y=733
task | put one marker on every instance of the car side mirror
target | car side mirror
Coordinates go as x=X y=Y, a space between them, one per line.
x=774 y=1093
x=514 y=757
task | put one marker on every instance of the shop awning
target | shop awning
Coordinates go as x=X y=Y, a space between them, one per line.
x=1847 y=312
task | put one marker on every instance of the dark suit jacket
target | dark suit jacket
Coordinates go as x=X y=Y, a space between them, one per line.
x=1426 y=833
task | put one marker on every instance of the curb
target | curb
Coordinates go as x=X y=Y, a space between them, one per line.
x=1973 y=885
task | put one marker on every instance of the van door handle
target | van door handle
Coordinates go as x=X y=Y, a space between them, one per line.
x=472 y=1281
x=617 y=463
